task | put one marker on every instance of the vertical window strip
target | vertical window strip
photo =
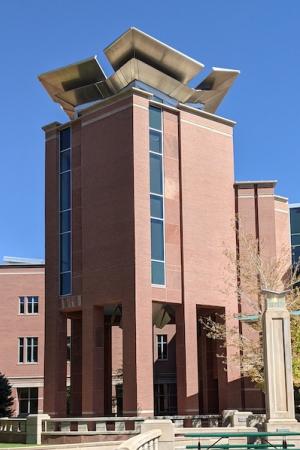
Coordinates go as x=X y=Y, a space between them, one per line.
x=65 y=212
x=21 y=305
x=157 y=196
x=21 y=349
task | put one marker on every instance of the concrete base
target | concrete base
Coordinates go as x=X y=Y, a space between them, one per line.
x=282 y=425
x=167 y=439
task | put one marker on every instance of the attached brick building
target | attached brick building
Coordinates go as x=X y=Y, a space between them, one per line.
x=22 y=313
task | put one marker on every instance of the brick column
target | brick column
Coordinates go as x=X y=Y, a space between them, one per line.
x=137 y=360
x=187 y=361
x=76 y=366
x=55 y=392
x=93 y=361
x=107 y=367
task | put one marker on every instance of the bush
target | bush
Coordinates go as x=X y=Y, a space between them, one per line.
x=6 y=398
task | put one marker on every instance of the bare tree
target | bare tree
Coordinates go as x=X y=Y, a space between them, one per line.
x=256 y=272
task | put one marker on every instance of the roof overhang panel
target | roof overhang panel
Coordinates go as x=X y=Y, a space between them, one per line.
x=138 y=70
x=72 y=76
x=214 y=87
x=136 y=44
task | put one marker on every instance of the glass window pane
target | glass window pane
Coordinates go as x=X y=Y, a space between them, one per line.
x=155 y=118
x=21 y=350
x=65 y=160
x=29 y=305
x=21 y=305
x=295 y=220
x=156 y=206
x=155 y=141
x=65 y=221
x=23 y=407
x=33 y=406
x=156 y=179
x=65 y=139
x=65 y=283
x=157 y=239
x=35 y=353
x=29 y=350
x=296 y=239
x=65 y=191
x=158 y=272
x=65 y=252
x=35 y=305
x=296 y=254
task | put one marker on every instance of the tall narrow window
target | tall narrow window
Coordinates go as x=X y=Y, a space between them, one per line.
x=21 y=350
x=156 y=196
x=68 y=348
x=65 y=204
x=162 y=347
x=21 y=305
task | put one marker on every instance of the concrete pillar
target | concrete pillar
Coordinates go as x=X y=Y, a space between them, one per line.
x=55 y=392
x=107 y=367
x=76 y=366
x=167 y=439
x=93 y=361
x=278 y=363
x=137 y=360
x=187 y=361
x=34 y=428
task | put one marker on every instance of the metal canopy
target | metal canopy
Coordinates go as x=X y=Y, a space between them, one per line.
x=137 y=56
x=138 y=70
x=135 y=43
x=214 y=87
x=71 y=78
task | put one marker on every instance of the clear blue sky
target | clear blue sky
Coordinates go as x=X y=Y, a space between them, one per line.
x=259 y=37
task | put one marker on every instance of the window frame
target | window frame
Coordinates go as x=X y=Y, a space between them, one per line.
x=28 y=398
x=22 y=302
x=162 y=345
x=25 y=349
x=32 y=301
x=21 y=350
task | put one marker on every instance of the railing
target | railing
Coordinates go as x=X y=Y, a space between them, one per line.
x=203 y=420
x=13 y=430
x=121 y=425
x=92 y=425
x=144 y=441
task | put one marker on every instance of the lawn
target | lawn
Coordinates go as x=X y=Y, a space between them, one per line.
x=8 y=445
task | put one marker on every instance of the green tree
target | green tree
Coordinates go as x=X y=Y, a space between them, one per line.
x=6 y=398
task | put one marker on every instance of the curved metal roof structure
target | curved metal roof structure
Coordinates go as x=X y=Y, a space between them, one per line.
x=137 y=56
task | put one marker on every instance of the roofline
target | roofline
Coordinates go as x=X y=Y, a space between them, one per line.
x=131 y=90
x=281 y=198
x=19 y=266
x=260 y=183
x=294 y=205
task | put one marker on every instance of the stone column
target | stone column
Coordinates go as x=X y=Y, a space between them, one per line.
x=107 y=367
x=34 y=428
x=278 y=364
x=55 y=390
x=137 y=360
x=93 y=361
x=187 y=361
x=76 y=366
